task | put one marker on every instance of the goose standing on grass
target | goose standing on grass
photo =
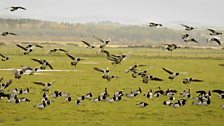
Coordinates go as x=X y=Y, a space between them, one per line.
x=14 y=8
x=142 y=104
x=214 y=32
x=29 y=48
x=46 y=86
x=104 y=43
x=75 y=60
x=88 y=45
x=187 y=28
x=8 y=33
x=43 y=63
x=4 y=57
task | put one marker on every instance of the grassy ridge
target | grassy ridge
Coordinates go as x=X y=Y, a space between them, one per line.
x=124 y=112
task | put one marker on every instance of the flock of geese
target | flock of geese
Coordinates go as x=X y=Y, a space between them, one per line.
x=203 y=98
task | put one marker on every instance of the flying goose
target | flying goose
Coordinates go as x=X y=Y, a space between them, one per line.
x=43 y=63
x=214 y=32
x=19 y=72
x=184 y=36
x=4 y=57
x=188 y=80
x=134 y=67
x=104 y=71
x=171 y=47
x=147 y=78
x=172 y=74
x=46 y=86
x=214 y=39
x=8 y=33
x=152 y=24
x=56 y=50
x=29 y=48
x=190 y=40
x=75 y=60
x=116 y=59
x=104 y=43
x=187 y=28
x=88 y=45
x=14 y=8
x=5 y=85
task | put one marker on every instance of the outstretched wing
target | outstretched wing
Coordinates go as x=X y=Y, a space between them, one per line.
x=12 y=33
x=156 y=79
x=70 y=56
x=21 y=47
x=2 y=55
x=168 y=71
x=22 y=8
x=211 y=30
x=39 y=46
x=62 y=50
x=38 y=60
x=99 y=69
x=98 y=39
x=8 y=83
x=196 y=80
x=49 y=65
x=39 y=83
x=185 y=25
x=86 y=43
x=106 y=52
x=1 y=79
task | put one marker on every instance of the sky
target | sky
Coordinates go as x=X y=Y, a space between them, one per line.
x=204 y=12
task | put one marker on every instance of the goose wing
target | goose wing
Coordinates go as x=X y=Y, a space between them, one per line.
x=39 y=83
x=21 y=47
x=38 y=60
x=168 y=71
x=70 y=56
x=86 y=43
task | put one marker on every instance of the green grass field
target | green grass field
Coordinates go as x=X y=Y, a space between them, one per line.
x=202 y=64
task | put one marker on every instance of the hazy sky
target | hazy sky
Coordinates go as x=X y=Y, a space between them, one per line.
x=209 y=12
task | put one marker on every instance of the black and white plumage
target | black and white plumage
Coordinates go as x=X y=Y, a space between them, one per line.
x=41 y=105
x=46 y=86
x=187 y=40
x=170 y=47
x=190 y=79
x=44 y=63
x=142 y=104
x=14 y=8
x=3 y=86
x=75 y=60
x=134 y=68
x=152 y=24
x=4 y=57
x=214 y=39
x=147 y=78
x=184 y=36
x=116 y=59
x=187 y=28
x=214 y=32
x=24 y=69
x=88 y=45
x=29 y=48
x=8 y=33
x=105 y=72
x=56 y=50
x=219 y=92
x=104 y=43
x=172 y=74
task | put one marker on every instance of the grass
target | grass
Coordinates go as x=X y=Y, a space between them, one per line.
x=204 y=66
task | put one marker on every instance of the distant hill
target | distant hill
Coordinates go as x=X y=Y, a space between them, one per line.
x=37 y=30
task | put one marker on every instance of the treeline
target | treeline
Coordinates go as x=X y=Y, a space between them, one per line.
x=37 y=30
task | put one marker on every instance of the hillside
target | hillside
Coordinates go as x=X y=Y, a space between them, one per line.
x=37 y=30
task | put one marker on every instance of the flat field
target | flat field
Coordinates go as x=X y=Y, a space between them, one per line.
x=198 y=63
